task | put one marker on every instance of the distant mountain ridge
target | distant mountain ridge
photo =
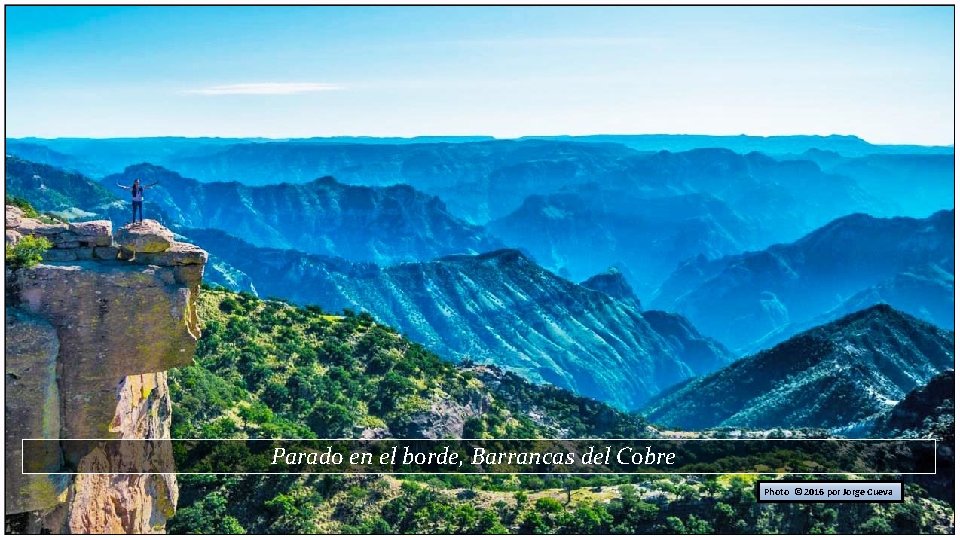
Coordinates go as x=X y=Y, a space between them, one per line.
x=924 y=291
x=613 y=284
x=497 y=307
x=835 y=376
x=919 y=183
x=487 y=180
x=112 y=154
x=478 y=180
x=574 y=232
x=385 y=225
x=740 y=299
x=851 y=262
x=476 y=165
x=515 y=186
x=847 y=145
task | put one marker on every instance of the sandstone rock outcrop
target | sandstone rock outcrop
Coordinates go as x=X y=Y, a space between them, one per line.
x=90 y=336
x=71 y=241
x=11 y=237
x=61 y=235
x=145 y=237
x=33 y=404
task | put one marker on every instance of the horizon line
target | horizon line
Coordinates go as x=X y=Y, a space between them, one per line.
x=481 y=135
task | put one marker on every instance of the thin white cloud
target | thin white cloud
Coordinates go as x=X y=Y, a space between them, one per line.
x=654 y=41
x=265 y=89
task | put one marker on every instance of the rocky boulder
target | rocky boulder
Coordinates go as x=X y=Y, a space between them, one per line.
x=93 y=233
x=146 y=237
x=11 y=237
x=178 y=254
x=13 y=215
x=88 y=234
x=57 y=233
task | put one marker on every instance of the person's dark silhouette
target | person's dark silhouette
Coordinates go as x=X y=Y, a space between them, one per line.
x=136 y=194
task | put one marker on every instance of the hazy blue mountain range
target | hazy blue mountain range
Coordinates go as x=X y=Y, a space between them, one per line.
x=477 y=180
x=785 y=199
x=295 y=276
x=112 y=154
x=925 y=291
x=384 y=225
x=835 y=376
x=847 y=145
x=476 y=165
x=759 y=200
x=99 y=157
x=575 y=233
x=578 y=233
x=498 y=307
x=41 y=154
x=488 y=180
x=609 y=195
x=778 y=200
x=505 y=308
x=380 y=224
x=918 y=184
x=741 y=299
x=658 y=211
x=430 y=167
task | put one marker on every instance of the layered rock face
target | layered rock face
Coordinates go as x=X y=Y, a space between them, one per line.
x=90 y=334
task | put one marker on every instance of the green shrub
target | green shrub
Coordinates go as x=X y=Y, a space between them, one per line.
x=876 y=525
x=548 y=505
x=28 y=252
x=231 y=305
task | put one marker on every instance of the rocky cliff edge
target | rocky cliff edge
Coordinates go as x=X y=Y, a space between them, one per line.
x=91 y=332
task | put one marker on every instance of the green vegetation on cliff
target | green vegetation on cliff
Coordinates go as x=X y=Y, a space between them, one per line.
x=267 y=369
x=23 y=204
x=27 y=252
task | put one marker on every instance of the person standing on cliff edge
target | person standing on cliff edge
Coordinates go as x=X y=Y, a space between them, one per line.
x=136 y=192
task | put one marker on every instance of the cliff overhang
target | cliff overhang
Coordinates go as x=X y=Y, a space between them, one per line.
x=91 y=331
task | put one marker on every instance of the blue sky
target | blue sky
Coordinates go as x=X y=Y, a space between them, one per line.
x=883 y=73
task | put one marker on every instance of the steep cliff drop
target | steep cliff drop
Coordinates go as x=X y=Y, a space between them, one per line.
x=90 y=333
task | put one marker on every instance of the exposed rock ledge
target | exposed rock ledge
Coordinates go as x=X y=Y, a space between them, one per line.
x=91 y=332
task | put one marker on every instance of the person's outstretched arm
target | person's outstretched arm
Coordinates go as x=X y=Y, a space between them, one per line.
x=124 y=187
x=151 y=185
